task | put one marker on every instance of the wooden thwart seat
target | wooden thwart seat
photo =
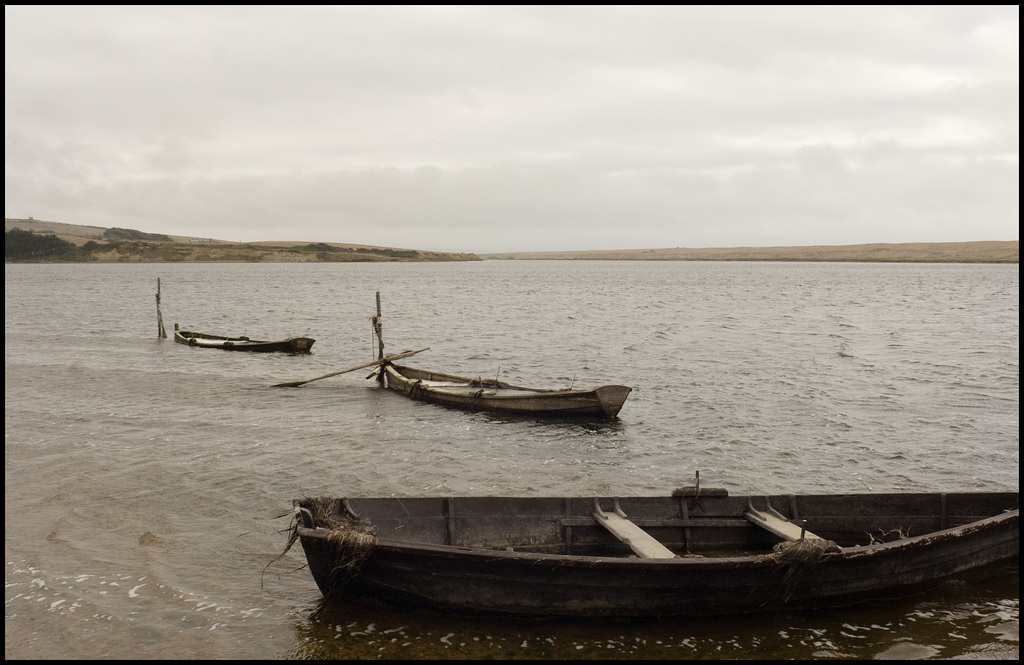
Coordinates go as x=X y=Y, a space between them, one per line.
x=642 y=543
x=774 y=522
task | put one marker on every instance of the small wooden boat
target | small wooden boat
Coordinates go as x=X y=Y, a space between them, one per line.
x=694 y=553
x=493 y=395
x=291 y=345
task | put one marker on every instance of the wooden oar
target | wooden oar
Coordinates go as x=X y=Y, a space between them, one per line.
x=381 y=361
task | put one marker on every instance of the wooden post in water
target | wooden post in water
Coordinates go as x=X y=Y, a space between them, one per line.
x=160 y=332
x=378 y=329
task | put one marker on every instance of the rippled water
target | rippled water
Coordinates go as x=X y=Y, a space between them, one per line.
x=142 y=477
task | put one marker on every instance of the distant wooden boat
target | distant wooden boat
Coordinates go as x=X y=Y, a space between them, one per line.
x=493 y=395
x=694 y=553
x=203 y=340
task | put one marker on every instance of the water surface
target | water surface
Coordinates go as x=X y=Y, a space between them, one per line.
x=143 y=479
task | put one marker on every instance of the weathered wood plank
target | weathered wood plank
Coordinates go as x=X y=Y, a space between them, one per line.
x=777 y=525
x=641 y=542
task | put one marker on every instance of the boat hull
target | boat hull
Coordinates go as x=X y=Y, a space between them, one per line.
x=730 y=569
x=500 y=397
x=203 y=340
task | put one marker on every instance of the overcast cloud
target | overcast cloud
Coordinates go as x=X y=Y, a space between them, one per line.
x=487 y=129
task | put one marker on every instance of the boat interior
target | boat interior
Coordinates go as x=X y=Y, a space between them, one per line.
x=691 y=522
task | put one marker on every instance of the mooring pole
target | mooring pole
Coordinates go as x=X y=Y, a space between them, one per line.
x=378 y=330
x=378 y=326
x=160 y=332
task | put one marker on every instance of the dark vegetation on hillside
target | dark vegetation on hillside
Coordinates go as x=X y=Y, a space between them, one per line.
x=116 y=234
x=27 y=246
x=327 y=252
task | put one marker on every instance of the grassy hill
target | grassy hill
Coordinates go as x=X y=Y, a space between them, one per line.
x=97 y=244
x=100 y=245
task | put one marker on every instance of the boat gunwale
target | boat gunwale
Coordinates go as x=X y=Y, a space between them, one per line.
x=852 y=551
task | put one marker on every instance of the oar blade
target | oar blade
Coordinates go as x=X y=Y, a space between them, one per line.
x=290 y=384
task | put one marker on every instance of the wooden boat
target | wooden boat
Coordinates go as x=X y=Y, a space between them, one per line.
x=493 y=395
x=694 y=553
x=291 y=345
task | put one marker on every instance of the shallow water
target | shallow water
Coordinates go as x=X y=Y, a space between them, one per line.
x=143 y=478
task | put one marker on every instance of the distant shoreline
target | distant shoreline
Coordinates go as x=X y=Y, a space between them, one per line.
x=184 y=249
x=996 y=251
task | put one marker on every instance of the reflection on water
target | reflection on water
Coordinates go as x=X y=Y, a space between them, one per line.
x=972 y=620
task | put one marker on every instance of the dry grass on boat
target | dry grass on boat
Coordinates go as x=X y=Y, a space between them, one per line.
x=351 y=537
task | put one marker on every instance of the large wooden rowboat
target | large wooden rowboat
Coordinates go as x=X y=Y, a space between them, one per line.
x=493 y=395
x=203 y=340
x=697 y=552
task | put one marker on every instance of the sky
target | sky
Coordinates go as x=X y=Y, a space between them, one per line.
x=500 y=129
